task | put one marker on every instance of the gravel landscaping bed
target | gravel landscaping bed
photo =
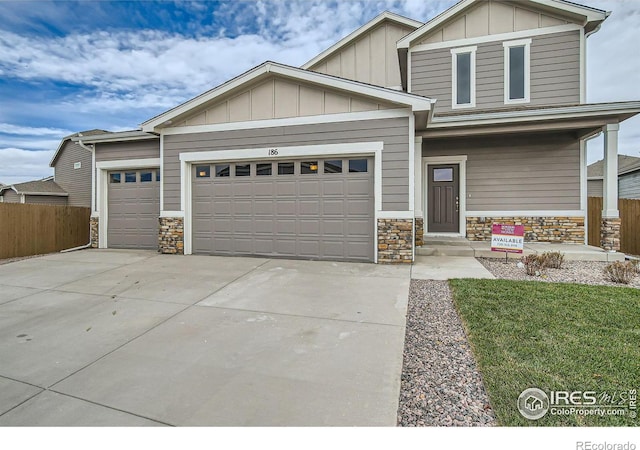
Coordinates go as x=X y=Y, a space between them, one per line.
x=585 y=272
x=440 y=384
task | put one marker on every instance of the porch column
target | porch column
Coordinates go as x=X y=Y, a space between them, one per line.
x=610 y=227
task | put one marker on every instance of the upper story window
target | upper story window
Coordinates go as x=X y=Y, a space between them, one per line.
x=517 y=71
x=463 y=77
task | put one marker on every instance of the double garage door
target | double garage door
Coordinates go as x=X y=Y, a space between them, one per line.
x=310 y=208
x=133 y=209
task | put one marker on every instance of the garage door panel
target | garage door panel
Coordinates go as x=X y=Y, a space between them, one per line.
x=316 y=215
x=132 y=212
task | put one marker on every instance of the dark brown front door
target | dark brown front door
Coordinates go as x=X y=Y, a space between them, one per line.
x=443 y=213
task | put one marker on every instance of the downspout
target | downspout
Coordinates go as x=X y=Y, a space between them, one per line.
x=93 y=175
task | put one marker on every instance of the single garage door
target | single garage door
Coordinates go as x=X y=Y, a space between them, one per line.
x=311 y=208
x=133 y=209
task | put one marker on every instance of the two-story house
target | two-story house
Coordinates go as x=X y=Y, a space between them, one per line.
x=400 y=129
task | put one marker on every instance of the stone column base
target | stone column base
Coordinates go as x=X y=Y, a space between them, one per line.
x=419 y=239
x=610 y=234
x=171 y=237
x=568 y=230
x=395 y=241
x=94 y=231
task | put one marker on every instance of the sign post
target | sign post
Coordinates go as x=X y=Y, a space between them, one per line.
x=507 y=239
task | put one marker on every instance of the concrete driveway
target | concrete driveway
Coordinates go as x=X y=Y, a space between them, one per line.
x=115 y=337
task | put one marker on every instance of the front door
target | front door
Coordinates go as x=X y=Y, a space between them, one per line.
x=443 y=202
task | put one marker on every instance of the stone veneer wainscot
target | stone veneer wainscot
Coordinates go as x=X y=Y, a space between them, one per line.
x=94 y=232
x=536 y=229
x=610 y=234
x=395 y=241
x=171 y=238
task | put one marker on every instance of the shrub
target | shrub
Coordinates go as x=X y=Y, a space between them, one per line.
x=553 y=260
x=636 y=265
x=534 y=265
x=621 y=272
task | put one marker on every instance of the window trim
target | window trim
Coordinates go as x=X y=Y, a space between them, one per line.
x=472 y=50
x=526 y=43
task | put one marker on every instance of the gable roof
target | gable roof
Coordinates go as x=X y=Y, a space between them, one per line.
x=45 y=186
x=626 y=164
x=591 y=18
x=64 y=140
x=386 y=16
x=417 y=103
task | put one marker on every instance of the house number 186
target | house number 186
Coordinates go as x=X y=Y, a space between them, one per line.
x=273 y=151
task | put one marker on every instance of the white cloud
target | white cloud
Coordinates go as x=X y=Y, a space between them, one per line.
x=20 y=165
x=8 y=128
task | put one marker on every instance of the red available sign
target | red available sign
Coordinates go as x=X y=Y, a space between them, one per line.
x=507 y=238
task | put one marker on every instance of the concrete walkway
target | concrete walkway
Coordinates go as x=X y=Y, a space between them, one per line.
x=448 y=267
x=131 y=338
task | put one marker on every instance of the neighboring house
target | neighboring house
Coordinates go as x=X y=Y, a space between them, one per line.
x=401 y=128
x=628 y=177
x=44 y=192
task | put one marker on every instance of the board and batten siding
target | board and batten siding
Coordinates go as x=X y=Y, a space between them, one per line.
x=629 y=185
x=528 y=172
x=555 y=73
x=76 y=182
x=393 y=132
x=115 y=151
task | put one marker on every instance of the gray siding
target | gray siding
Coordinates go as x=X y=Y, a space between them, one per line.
x=393 y=132
x=48 y=200
x=629 y=185
x=528 y=172
x=555 y=73
x=594 y=188
x=148 y=148
x=11 y=197
x=76 y=182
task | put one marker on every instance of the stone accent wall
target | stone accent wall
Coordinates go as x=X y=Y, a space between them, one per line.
x=568 y=230
x=171 y=238
x=395 y=241
x=94 y=231
x=419 y=240
x=610 y=234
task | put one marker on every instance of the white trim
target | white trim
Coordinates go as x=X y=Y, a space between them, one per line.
x=526 y=43
x=497 y=37
x=179 y=214
x=360 y=31
x=352 y=149
x=143 y=163
x=610 y=184
x=417 y=176
x=46 y=194
x=461 y=160
x=102 y=186
x=290 y=121
x=94 y=209
x=123 y=136
x=472 y=77
x=409 y=72
x=412 y=161
x=22 y=198
x=583 y=67
x=161 y=169
x=545 y=213
x=417 y=103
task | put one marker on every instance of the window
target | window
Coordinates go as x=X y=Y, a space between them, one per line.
x=444 y=174
x=203 y=171
x=463 y=62
x=285 y=168
x=263 y=169
x=130 y=177
x=115 y=177
x=357 y=165
x=243 y=170
x=333 y=166
x=146 y=177
x=517 y=71
x=309 y=167
x=222 y=170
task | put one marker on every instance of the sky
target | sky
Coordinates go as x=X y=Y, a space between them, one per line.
x=72 y=66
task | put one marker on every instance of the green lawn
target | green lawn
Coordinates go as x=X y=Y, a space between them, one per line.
x=554 y=337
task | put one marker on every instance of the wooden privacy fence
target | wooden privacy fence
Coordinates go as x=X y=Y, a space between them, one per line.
x=629 y=228
x=36 y=229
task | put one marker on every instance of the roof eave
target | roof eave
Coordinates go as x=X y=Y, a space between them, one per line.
x=115 y=137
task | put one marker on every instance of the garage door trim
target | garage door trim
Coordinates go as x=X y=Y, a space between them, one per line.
x=102 y=186
x=187 y=159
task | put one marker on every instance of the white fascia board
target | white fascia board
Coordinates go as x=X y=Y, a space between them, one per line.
x=47 y=194
x=58 y=150
x=360 y=31
x=406 y=41
x=590 y=14
x=142 y=163
x=581 y=111
x=417 y=103
x=115 y=137
x=536 y=213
